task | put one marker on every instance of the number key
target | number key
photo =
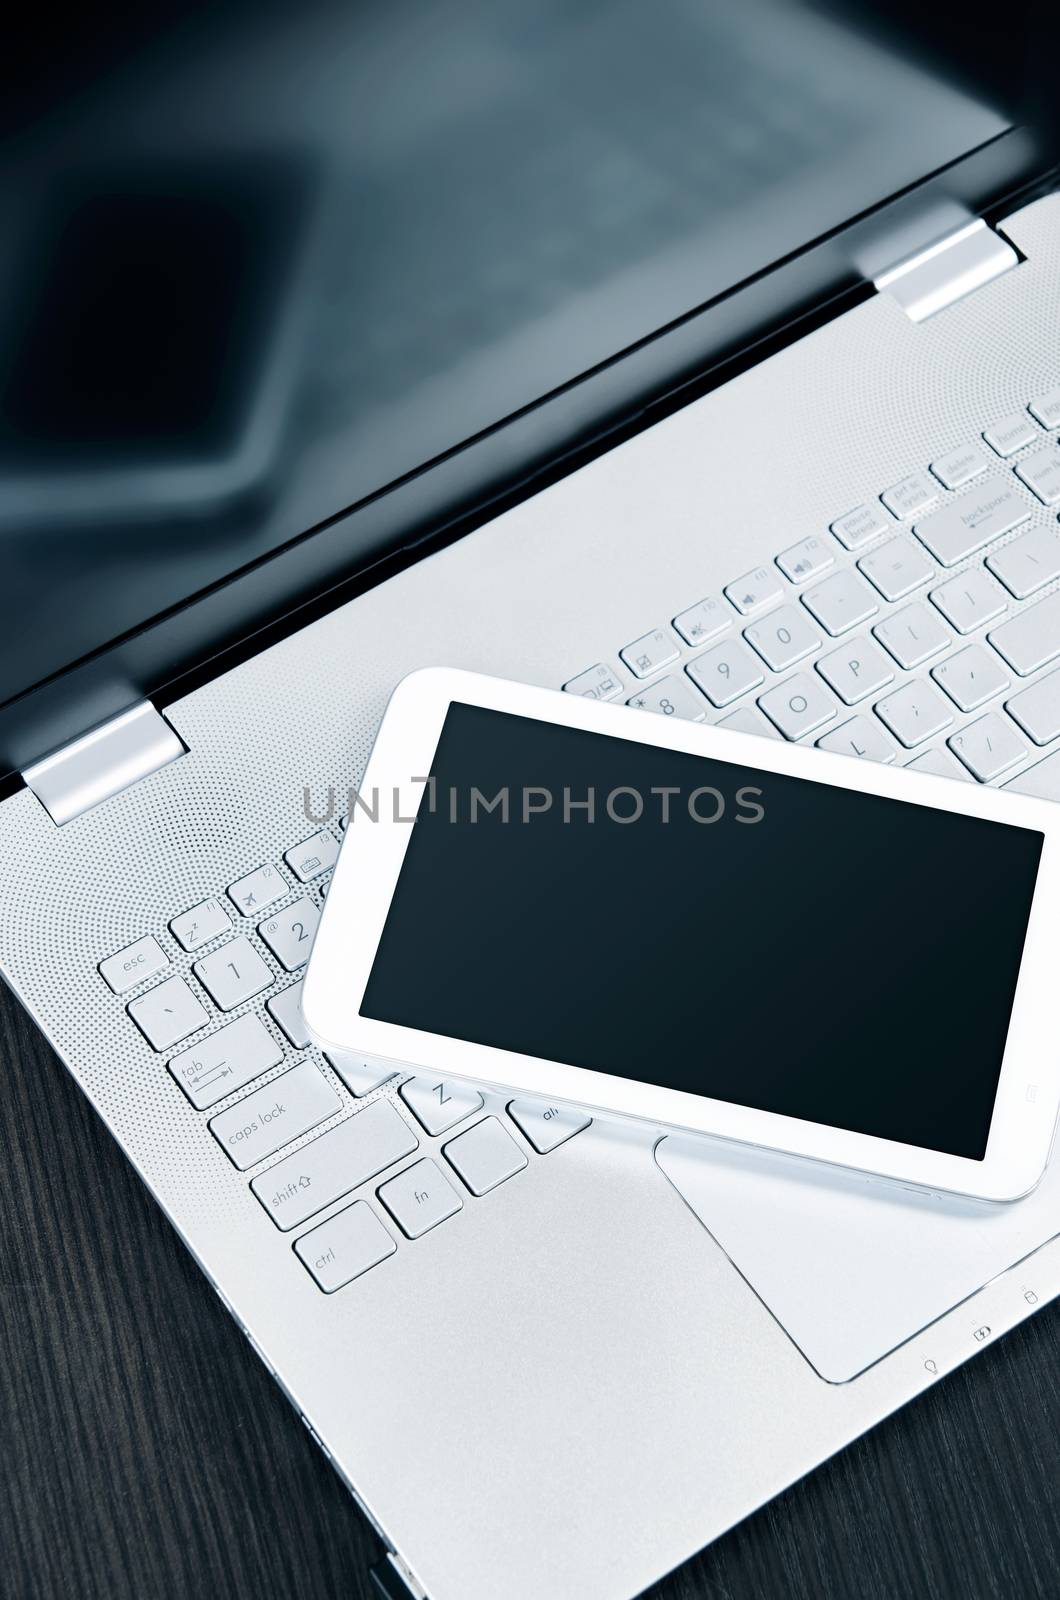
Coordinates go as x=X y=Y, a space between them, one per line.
x=671 y=697
x=726 y=672
x=786 y=636
x=233 y=973
x=289 y=935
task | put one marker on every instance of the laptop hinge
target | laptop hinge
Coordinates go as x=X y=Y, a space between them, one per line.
x=102 y=763
x=947 y=270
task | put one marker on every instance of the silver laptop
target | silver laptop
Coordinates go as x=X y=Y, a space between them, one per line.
x=706 y=364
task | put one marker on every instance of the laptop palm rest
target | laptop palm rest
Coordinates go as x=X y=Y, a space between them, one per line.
x=850 y=1267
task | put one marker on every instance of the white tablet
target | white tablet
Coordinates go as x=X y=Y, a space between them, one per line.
x=704 y=929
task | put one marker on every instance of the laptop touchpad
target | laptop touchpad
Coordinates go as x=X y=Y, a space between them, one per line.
x=850 y=1267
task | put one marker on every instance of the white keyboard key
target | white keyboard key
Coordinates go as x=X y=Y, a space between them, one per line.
x=595 y=683
x=344 y=1247
x=912 y=635
x=805 y=560
x=782 y=638
x=960 y=466
x=755 y=589
x=941 y=764
x=970 y=600
x=1037 y=709
x=232 y=973
x=1040 y=471
x=228 y=1060
x=725 y=672
x=259 y=889
x=910 y=494
x=485 y=1156
x=976 y=518
x=201 y=924
x=1041 y=781
x=1010 y=434
x=438 y=1104
x=914 y=712
x=649 y=654
x=857 y=669
x=747 y=720
x=334 y=1164
x=271 y=1117
x=167 y=1014
x=1028 y=563
x=1046 y=410
x=289 y=934
x=703 y=622
x=897 y=568
x=360 y=1073
x=313 y=856
x=861 y=738
x=546 y=1126
x=857 y=527
x=420 y=1198
x=971 y=677
x=139 y=960
x=286 y=1010
x=840 y=602
x=1030 y=638
x=671 y=697
x=799 y=706
x=988 y=747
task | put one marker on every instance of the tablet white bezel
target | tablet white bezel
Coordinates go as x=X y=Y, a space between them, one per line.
x=371 y=857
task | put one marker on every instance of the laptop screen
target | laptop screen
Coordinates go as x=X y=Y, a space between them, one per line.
x=259 y=265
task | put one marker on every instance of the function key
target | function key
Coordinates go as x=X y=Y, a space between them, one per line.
x=1010 y=434
x=703 y=621
x=420 y=1198
x=313 y=856
x=650 y=653
x=595 y=683
x=130 y=966
x=805 y=559
x=1040 y=471
x=758 y=588
x=260 y=888
x=201 y=924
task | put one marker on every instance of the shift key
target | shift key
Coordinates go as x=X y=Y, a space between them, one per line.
x=329 y=1167
x=271 y=1117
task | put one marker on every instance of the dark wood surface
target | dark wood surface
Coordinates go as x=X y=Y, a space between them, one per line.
x=146 y=1455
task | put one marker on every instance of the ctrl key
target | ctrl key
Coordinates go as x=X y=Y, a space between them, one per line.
x=344 y=1247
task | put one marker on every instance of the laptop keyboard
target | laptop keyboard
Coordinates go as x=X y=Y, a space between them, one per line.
x=915 y=629
x=218 y=981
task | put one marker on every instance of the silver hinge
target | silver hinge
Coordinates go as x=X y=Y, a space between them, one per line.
x=947 y=270
x=103 y=763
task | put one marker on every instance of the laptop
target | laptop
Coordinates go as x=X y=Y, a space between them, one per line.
x=703 y=362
